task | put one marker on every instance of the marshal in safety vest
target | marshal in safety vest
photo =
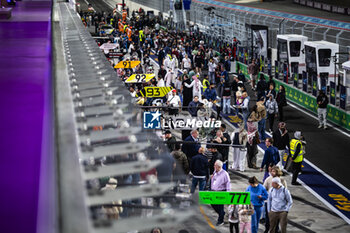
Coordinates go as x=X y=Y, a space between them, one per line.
x=293 y=145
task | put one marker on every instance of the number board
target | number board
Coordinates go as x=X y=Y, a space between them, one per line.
x=157 y=91
x=224 y=198
x=140 y=78
x=127 y=64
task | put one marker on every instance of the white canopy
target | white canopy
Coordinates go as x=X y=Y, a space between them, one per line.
x=346 y=65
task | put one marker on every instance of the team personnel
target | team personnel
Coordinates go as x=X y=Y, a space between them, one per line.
x=296 y=151
x=281 y=141
x=322 y=101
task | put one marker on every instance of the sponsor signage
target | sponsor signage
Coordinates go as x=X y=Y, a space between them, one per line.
x=342 y=96
x=304 y=76
x=113 y=54
x=295 y=79
x=276 y=70
x=156 y=92
x=224 y=198
x=314 y=84
x=140 y=78
x=189 y=123
x=154 y=120
x=332 y=92
x=127 y=64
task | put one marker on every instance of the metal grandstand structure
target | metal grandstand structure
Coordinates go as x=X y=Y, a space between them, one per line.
x=226 y=23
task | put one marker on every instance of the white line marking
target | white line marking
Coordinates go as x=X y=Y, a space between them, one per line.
x=328 y=176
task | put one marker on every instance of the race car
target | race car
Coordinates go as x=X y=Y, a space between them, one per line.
x=108 y=29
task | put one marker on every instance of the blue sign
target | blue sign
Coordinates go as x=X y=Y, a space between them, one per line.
x=151 y=120
x=187 y=4
x=342 y=96
x=276 y=69
x=305 y=82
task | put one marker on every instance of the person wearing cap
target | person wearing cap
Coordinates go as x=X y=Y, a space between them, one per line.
x=279 y=203
x=281 y=141
x=174 y=102
x=296 y=152
x=275 y=171
x=170 y=140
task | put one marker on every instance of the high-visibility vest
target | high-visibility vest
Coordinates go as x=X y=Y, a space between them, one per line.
x=205 y=84
x=293 y=145
x=141 y=35
x=124 y=15
x=125 y=27
x=128 y=33
x=120 y=26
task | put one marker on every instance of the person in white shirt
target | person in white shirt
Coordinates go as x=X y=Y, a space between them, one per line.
x=196 y=87
x=211 y=69
x=160 y=82
x=186 y=63
x=170 y=66
x=174 y=102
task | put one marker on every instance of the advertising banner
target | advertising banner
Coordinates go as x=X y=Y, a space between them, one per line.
x=187 y=4
x=269 y=68
x=342 y=96
x=332 y=92
x=285 y=73
x=276 y=70
x=295 y=79
x=314 y=84
x=304 y=77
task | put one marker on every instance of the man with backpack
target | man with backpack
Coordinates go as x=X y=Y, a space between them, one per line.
x=279 y=203
x=271 y=156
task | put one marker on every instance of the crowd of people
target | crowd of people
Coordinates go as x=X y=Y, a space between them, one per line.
x=202 y=82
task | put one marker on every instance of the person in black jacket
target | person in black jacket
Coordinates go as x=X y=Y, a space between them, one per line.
x=193 y=106
x=281 y=101
x=215 y=155
x=187 y=91
x=170 y=140
x=281 y=141
x=322 y=101
x=261 y=87
x=191 y=149
x=226 y=139
x=200 y=170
